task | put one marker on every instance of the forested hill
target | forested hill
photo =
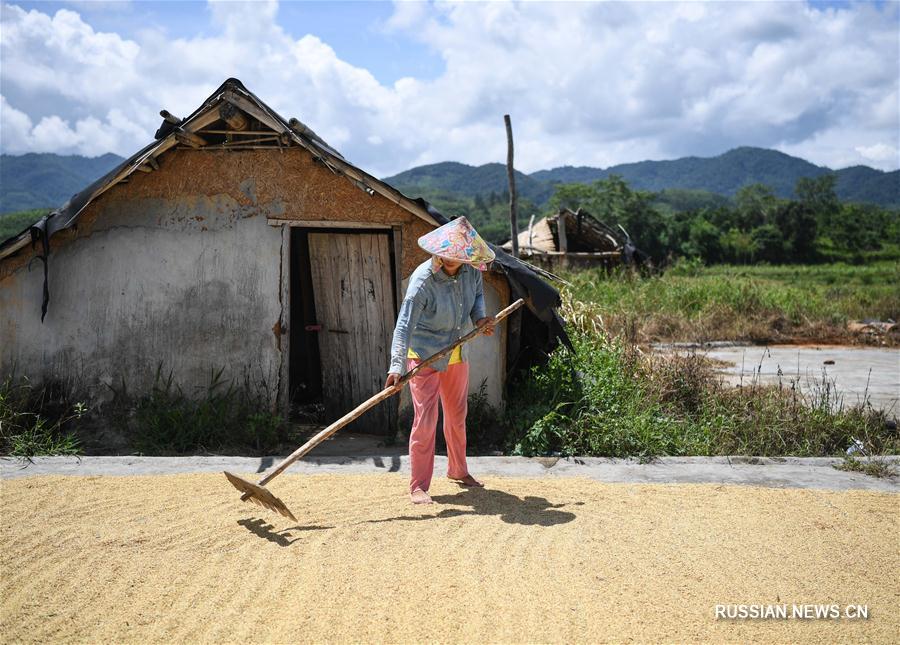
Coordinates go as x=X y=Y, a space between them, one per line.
x=47 y=180
x=723 y=175
x=469 y=181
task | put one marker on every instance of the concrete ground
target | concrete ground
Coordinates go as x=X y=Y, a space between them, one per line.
x=857 y=374
x=786 y=472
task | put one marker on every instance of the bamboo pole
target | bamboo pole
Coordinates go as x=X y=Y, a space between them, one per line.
x=511 y=176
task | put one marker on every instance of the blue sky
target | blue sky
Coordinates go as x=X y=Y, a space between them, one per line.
x=354 y=29
x=394 y=85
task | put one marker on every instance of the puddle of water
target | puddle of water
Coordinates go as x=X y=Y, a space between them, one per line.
x=857 y=372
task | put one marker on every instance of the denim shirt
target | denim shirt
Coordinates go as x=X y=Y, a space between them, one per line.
x=435 y=312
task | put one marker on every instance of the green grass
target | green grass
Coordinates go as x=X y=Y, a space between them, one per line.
x=13 y=223
x=694 y=303
x=874 y=467
x=32 y=422
x=608 y=399
x=224 y=416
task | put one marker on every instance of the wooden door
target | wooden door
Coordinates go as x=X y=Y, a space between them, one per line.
x=354 y=297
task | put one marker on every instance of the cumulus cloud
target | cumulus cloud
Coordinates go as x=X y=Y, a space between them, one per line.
x=880 y=152
x=586 y=83
x=89 y=136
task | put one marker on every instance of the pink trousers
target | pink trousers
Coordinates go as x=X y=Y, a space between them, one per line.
x=452 y=386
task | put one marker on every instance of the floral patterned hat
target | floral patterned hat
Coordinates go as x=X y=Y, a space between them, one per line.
x=458 y=240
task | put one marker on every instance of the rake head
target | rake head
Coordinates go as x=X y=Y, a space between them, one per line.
x=259 y=495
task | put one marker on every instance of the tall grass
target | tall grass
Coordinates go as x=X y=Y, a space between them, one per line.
x=694 y=303
x=36 y=420
x=609 y=399
x=225 y=415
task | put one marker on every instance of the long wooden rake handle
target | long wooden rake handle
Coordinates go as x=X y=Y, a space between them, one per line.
x=375 y=400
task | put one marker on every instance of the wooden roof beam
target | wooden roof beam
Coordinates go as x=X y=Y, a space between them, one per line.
x=233 y=116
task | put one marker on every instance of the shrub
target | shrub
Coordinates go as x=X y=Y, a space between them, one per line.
x=607 y=399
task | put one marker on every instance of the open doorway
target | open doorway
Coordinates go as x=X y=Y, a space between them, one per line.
x=305 y=366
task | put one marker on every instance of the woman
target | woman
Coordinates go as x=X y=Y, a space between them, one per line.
x=444 y=294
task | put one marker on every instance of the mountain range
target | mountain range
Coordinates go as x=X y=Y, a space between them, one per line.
x=46 y=180
x=722 y=175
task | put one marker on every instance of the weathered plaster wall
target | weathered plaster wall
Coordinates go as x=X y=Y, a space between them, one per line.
x=146 y=286
x=286 y=185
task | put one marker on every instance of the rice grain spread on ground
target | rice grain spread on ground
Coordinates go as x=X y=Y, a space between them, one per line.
x=180 y=559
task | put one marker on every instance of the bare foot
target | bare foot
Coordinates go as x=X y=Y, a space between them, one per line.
x=468 y=480
x=419 y=496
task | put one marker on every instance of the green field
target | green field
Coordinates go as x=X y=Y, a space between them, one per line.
x=694 y=303
x=613 y=398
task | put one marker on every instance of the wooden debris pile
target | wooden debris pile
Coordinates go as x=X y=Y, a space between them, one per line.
x=571 y=237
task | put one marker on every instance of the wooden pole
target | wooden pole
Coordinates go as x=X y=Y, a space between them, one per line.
x=168 y=116
x=513 y=202
x=531 y=231
x=233 y=116
x=190 y=139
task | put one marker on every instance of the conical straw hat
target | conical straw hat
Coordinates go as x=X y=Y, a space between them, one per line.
x=458 y=240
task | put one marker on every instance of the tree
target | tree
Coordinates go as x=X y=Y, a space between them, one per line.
x=860 y=227
x=703 y=241
x=575 y=196
x=797 y=223
x=818 y=194
x=768 y=244
x=737 y=246
x=755 y=204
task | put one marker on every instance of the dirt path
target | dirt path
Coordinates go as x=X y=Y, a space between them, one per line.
x=178 y=559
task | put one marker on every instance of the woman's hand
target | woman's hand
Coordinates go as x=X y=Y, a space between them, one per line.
x=488 y=324
x=392 y=379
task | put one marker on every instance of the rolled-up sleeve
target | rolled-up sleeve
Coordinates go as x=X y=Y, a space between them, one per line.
x=477 y=312
x=410 y=310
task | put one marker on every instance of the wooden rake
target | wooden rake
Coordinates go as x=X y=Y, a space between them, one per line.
x=259 y=494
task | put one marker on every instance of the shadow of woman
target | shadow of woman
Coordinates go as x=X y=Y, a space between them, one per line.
x=266 y=531
x=529 y=511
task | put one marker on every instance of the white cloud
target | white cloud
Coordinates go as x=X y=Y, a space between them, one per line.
x=586 y=83
x=89 y=136
x=879 y=152
x=15 y=128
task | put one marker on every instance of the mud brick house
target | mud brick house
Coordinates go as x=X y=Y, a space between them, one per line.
x=240 y=240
